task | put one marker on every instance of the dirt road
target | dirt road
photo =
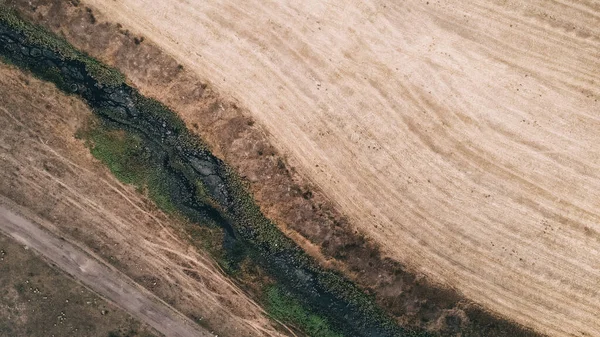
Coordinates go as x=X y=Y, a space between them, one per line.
x=104 y=280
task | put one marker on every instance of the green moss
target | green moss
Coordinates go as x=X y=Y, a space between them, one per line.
x=157 y=193
x=285 y=308
x=125 y=156
x=6 y=60
x=52 y=74
x=116 y=150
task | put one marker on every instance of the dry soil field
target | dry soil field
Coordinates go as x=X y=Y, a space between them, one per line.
x=462 y=137
x=94 y=274
x=38 y=300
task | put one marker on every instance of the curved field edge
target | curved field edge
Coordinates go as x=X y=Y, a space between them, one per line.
x=183 y=177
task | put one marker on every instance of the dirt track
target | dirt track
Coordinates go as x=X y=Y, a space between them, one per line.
x=462 y=137
x=96 y=275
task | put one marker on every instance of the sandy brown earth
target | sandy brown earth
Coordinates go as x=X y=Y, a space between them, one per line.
x=47 y=171
x=37 y=300
x=98 y=276
x=460 y=137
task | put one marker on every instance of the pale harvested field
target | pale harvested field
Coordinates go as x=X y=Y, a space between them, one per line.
x=462 y=137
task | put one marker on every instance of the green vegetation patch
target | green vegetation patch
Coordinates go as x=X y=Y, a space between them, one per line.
x=129 y=161
x=284 y=307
